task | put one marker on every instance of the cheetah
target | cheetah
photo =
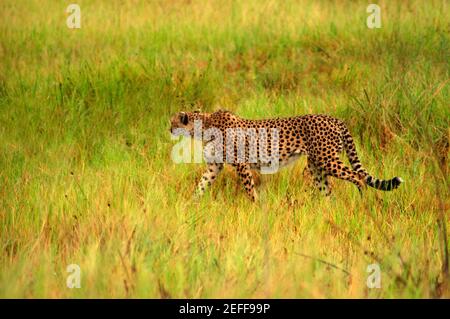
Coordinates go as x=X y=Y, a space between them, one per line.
x=321 y=138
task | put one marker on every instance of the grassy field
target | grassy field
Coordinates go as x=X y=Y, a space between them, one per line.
x=86 y=175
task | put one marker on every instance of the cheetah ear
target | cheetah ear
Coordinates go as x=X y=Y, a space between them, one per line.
x=184 y=118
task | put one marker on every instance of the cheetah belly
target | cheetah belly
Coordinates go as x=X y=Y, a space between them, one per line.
x=290 y=159
x=283 y=162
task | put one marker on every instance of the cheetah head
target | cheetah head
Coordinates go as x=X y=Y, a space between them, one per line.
x=183 y=123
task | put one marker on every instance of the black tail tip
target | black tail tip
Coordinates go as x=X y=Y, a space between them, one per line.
x=396 y=181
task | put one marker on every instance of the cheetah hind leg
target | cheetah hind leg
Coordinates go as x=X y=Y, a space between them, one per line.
x=321 y=178
x=336 y=168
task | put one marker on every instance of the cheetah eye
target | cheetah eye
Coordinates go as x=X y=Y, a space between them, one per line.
x=184 y=118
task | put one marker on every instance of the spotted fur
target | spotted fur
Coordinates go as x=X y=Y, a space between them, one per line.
x=321 y=138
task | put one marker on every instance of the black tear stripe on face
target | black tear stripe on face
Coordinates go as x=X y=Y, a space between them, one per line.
x=184 y=118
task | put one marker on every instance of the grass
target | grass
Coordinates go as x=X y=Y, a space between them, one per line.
x=85 y=170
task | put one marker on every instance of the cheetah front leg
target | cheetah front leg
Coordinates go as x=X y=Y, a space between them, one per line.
x=246 y=177
x=208 y=177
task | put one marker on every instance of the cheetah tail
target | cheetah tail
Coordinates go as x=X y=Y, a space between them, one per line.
x=380 y=184
x=384 y=185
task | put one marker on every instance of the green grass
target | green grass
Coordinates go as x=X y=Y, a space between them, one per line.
x=85 y=169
